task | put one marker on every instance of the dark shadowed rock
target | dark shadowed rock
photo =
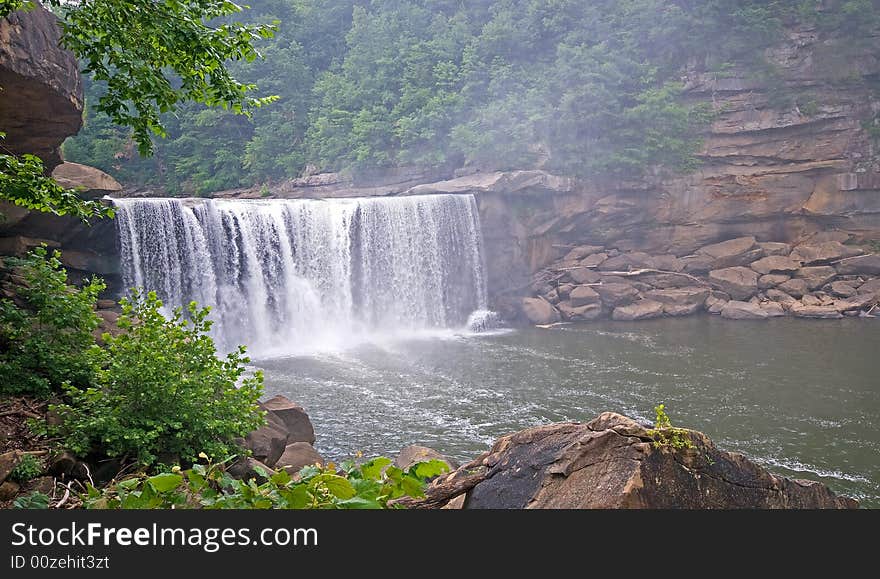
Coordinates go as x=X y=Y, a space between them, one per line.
x=296 y=420
x=640 y=310
x=298 y=455
x=247 y=467
x=414 y=453
x=267 y=442
x=610 y=463
x=740 y=283
x=582 y=296
x=865 y=265
x=539 y=311
x=736 y=310
x=616 y=294
x=824 y=252
x=8 y=490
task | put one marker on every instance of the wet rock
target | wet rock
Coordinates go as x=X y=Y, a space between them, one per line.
x=771 y=281
x=865 y=265
x=298 y=455
x=640 y=310
x=793 y=287
x=822 y=253
x=616 y=294
x=296 y=420
x=740 y=283
x=737 y=310
x=733 y=252
x=414 y=453
x=775 y=264
x=816 y=276
x=582 y=296
x=539 y=311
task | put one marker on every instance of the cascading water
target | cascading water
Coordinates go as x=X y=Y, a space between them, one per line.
x=287 y=276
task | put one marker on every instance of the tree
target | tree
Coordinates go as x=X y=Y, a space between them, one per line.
x=153 y=57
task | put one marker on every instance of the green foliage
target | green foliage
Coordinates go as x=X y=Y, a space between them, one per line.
x=23 y=182
x=35 y=500
x=162 y=389
x=665 y=435
x=29 y=467
x=47 y=344
x=368 y=486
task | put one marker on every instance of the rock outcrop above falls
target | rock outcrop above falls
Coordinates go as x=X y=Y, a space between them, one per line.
x=42 y=99
x=737 y=279
x=613 y=462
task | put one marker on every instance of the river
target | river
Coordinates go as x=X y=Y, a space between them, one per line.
x=800 y=397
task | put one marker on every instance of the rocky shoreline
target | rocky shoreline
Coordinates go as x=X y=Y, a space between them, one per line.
x=738 y=279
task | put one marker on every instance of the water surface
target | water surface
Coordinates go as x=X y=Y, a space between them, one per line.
x=801 y=397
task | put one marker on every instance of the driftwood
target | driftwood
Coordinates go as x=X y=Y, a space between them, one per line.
x=439 y=493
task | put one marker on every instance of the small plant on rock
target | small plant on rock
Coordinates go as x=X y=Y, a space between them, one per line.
x=666 y=435
x=28 y=468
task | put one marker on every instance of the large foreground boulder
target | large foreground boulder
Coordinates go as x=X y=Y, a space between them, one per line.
x=614 y=462
x=296 y=421
x=540 y=311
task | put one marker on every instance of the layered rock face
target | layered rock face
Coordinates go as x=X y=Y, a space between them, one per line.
x=613 y=462
x=820 y=278
x=42 y=99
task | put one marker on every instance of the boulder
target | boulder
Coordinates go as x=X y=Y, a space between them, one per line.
x=296 y=420
x=773 y=309
x=774 y=248
x=864 y=265
x=584 y=275
x=771 y=280
x=733 y=252
x=775 y=264
x=811 y=300
x=640 y=310
x=666 y=280
x=564 y=290
x=667 y=263
x=842 y=289
x=587 y=312
x=824 y=252
x=819 y=312
x=627 y=262
x=298 y=455
x=781 y=297
x=870 y=287
x=247 y=467
x=715 y=302
x=267 y=442
x=686 y=296
x=414 y=453
x=616 y=294
x=594 y=260
x=582 y=251
x=540 y=311
x=697 y=264
x=740 y=283
x=737 y=310
x=612 y=462
x=794 y=287
x=816 y=276
x=85 y=179
x=8 y=461
x=583 y=295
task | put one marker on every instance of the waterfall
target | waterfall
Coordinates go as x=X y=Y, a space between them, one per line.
x=287 y=276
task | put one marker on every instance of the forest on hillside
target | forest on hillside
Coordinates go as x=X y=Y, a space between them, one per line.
x=578 y=88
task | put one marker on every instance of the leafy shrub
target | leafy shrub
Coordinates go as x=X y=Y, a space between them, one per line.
x=35 y=500
x=368 y=486
x=162 y=389
x=29 y=467
x=47 y=342
x=666 y=435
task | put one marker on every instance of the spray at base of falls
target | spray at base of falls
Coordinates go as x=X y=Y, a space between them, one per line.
x=299 y=276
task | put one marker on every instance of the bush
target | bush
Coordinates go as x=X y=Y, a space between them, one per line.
x=28 y=468
x=47 y=342
x=371 y=485
x=161 y=389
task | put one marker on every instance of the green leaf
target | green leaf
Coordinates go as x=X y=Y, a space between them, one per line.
x=373 y=469
x=337 y=485
x=165 y=482
x=360 y=503
x=429 y=469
